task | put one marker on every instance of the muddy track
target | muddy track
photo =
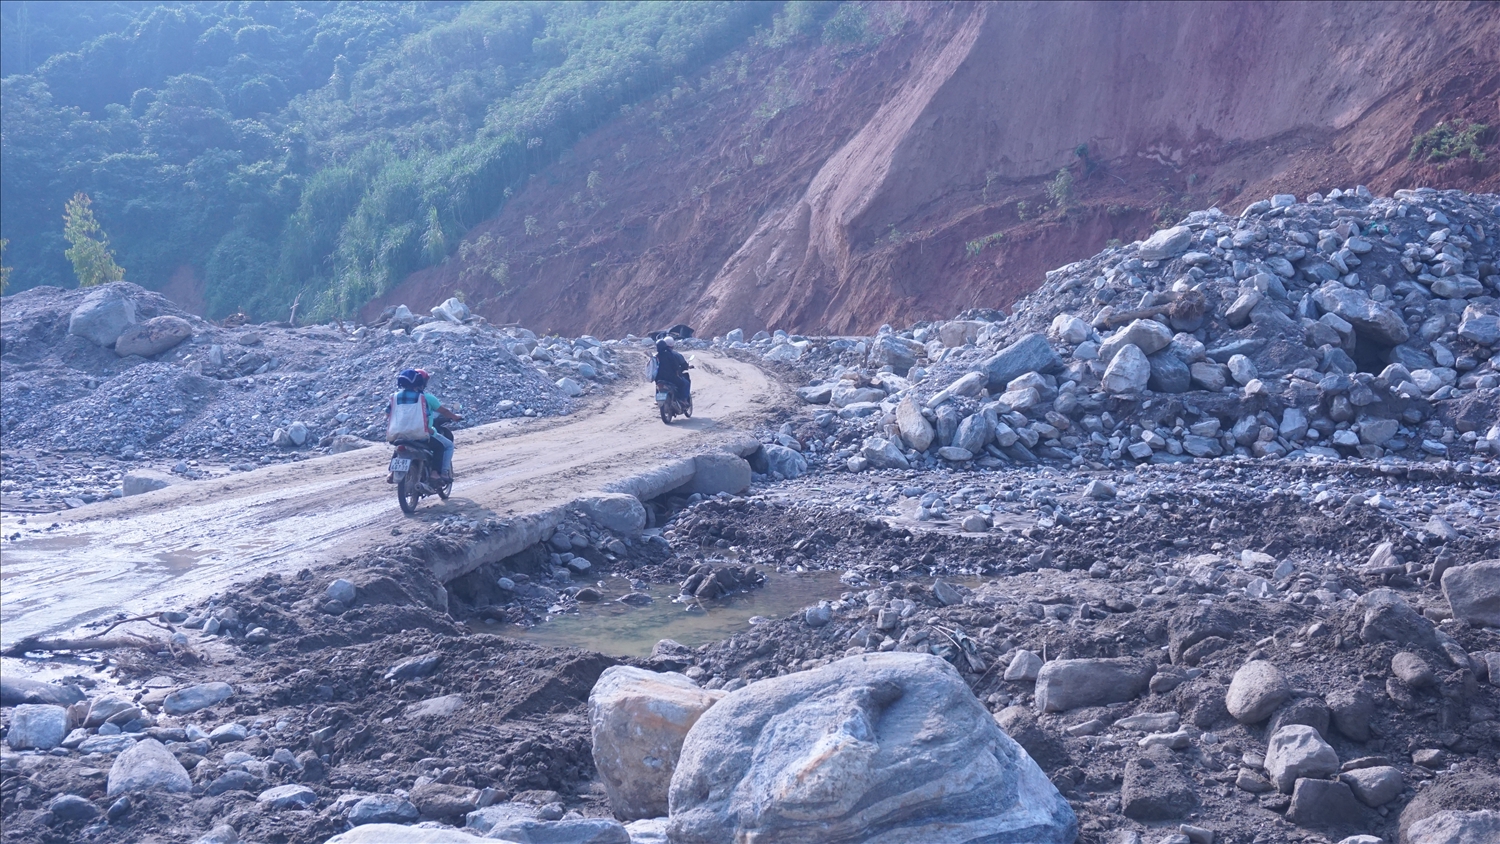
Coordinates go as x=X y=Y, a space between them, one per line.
x=176 y=546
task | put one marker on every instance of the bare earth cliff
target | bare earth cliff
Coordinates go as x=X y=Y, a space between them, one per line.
x=833 y=187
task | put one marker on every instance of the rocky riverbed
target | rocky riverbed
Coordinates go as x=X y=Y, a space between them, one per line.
x=1253 y=611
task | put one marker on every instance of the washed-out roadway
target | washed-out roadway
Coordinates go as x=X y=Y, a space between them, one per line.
x=176 y=546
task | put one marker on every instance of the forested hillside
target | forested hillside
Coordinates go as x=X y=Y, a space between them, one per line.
x=321 y=151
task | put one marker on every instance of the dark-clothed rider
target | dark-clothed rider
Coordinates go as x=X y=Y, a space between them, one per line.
x=672 y=368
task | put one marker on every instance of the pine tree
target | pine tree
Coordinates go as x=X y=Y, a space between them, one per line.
x=4 y=270
x=93 y=263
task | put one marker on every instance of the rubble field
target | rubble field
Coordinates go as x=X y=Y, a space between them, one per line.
x=1210 y=527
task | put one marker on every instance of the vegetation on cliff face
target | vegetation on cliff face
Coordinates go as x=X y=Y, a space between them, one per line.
x=320 y=149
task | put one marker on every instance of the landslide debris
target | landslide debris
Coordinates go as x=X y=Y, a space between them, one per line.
x=1287 y=640
x=1345 y=327
x=241 y=395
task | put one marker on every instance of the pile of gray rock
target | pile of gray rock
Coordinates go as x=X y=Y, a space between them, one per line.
x=1342 y=327
x=121 y=373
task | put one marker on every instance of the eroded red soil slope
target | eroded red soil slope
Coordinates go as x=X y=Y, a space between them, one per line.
x=830 y=187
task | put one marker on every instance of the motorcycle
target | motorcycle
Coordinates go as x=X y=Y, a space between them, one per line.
x=668 y=405
x=414 y=469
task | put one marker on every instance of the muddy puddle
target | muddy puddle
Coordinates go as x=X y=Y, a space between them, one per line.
x=620 y=629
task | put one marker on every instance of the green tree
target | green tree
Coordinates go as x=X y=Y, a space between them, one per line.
x=89 y=250
x=434 y=244
x=1061 y=189
x=4 y=270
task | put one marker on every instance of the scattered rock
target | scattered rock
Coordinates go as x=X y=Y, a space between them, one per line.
x=1297 y=751
x=147 y=765
x=1473 y=592
x=37 y=727
x=194 y=698
x=1065 y=684
x=1256 y=691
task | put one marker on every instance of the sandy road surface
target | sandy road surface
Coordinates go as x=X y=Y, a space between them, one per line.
x=165 y=549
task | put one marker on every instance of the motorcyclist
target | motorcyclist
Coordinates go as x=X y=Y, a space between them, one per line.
x=672 y=367
x=413 y=385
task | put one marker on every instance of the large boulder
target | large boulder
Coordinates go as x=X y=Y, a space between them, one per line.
x=1065 y=684
x=1148 y=335
x=885 y=748
x=1297 y=751
x=1031 y=353
x=391 y=833
x=788 y=463
x=1371 y=320
x=153 y=336
x=719 y=471
x=883 y=454
x=974 y=433
x=1128 y=372
x=846 y=394
x=103 y=316
x=147 y=766
x=1169 y=372
x=1473 y=592
x=1155 y=788
x=38 y=726
x=1383 y=615
x=194 y=698
x=1166 y=243
x=1257 y=689
x=620 y=512
x=639 y=719
x=572 y=831
x=898 y=353
x=916 y=431
x=959 y=332
x=138 y=481
x=1450 y=827
x=18 y=690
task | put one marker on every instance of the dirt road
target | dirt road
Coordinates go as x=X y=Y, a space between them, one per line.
x=165 y=549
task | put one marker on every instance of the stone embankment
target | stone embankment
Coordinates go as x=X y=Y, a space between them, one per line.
x=1345 y=327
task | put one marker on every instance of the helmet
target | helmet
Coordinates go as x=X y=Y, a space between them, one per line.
x=413 y=379
x=670 y=341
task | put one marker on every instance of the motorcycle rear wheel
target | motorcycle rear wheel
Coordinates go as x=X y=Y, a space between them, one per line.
x=666 y=414
x=408 y=492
